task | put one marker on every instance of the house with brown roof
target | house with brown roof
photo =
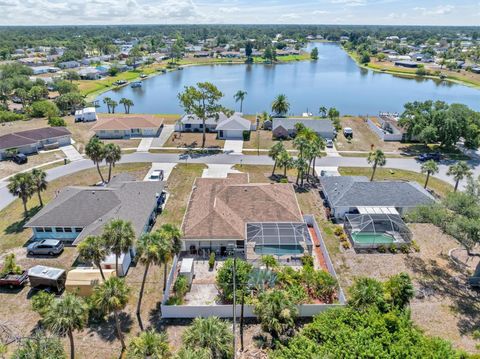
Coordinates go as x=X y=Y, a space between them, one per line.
x=128 y=127
x=31 y=141
x=223 y=214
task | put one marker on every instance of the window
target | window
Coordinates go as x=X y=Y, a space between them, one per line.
x=39 y=229
x=201 y=125
x=68 y=230
x=78 y=230
x=188 y=125
x=59 y=229
x=48 y=229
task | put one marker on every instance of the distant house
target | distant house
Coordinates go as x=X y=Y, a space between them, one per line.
x=128 y=127
x=346 y=194
x=77 y=212
x=38 y=70
x=408 y=64
x=87 y=114
x=69 y=64
x=285 y=127
x=89 y=73
x=201 y=54
x=226 y=127
x=31 y=141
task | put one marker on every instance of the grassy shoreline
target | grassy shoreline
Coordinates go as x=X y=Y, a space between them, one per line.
x=411 y=74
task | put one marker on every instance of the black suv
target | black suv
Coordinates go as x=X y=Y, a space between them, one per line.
x=20 y=159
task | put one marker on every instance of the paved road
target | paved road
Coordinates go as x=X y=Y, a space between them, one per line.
x=73 y=167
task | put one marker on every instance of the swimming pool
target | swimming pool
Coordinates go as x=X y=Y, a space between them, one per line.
x=278 y=250
x=372 y=238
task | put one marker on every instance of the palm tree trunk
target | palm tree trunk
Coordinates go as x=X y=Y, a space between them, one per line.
x=142 y=287
x=426 y=180
x=242 y=320
x=100 y=172
x=116 y=264
x=72 y=344
x=274 y=167
x=373 y=172
x=165 y=275
x=204 y=136
x=40 y=198
x=25 y=210
x=456 y=185
x=99 y=265
x=241 y=105
x=119 y=330
x=285 y=171
x=109 y=171
x=298 y=177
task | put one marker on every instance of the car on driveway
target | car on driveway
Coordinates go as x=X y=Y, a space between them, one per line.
x=329 y=143
x=20 y=159
x=156 y=175
x=436 y=156
x=49 y=247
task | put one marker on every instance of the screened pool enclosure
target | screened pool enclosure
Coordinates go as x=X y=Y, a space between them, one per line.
x=371 y=230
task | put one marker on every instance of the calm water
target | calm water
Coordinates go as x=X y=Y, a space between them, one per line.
x=333 y=80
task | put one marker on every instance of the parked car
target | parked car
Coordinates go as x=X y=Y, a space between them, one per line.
x=348 y=132
x=143 y=76
x=20 y=159
x=157 y=175
x=13 y=279
x=436 y=156
x=329 y=143
x=45 y=246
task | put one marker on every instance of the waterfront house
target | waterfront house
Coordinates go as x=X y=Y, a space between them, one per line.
x=231 y=127
x=31 y=141
x=128 y=127
x=285 y=127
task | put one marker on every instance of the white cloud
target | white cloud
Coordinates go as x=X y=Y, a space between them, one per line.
x=438 y=10
x=350 y=2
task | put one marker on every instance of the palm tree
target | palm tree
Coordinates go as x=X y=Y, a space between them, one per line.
x=39 y=345
x=209 y=333
x=22 y=186
x=112 y=154
x=40 y=183
x=301 y=142
x=113 y=104
x=166 y=252
x=66 y=315
x=95 y=150
x=274 y=152
x=459 y=171
x=285 y=161
x=430 y=168
x=93 y=249
x=149 y=344
x=127 y=103
x=377 y=158
x=112 y=297
x=302 y=167
x=318 y=146
x=240 y=96
x=187 y=353
x=22 y=95
x=276 y=312
x=323 y=111
x=265 y=117
x=174 y=235
x=269 y=261
x=107 y=101
x=280 y=105
x=148 y=252
x=119 y=237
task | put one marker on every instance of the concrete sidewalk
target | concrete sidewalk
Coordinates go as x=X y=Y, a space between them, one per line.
x=71 y=153
x=233 y=147
x=167 y=131
x=145 y=144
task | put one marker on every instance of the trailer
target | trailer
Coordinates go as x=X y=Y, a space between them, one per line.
x=47 y=277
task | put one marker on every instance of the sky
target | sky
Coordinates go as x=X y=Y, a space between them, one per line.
x=383 y=12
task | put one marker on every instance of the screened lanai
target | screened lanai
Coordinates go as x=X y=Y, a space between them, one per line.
x=373 y=228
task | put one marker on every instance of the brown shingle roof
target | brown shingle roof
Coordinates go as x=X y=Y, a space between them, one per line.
x=127 y=123
x=23 y=138
x=220 y=208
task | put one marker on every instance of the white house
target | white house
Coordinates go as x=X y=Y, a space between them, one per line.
x=87 y=114
x=128 y=127
x=233 y=127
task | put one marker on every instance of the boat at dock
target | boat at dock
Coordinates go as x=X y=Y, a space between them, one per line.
x=136 y=84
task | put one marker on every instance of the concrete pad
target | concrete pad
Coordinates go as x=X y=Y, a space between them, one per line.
x=145 y=144
x=166 y=167
x=71 y=153
x=218 y=171
x=167 y=131
x=327 y=170
x=233 y=147
x=332 y=151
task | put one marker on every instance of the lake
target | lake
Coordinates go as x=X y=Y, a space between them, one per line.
x=333 y=80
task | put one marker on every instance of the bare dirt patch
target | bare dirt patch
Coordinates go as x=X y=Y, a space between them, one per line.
x=193 y=140
x=8 y=168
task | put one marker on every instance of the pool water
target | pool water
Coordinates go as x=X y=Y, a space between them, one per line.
x=372 y=238
x=278 y=250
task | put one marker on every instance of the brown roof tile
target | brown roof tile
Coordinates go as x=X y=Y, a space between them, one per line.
x=127 y=123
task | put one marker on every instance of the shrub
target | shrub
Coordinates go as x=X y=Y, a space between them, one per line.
x=211 y=260
x=405 y=248
x=57 y=122
x=181 y=286
x=283 y=180
x=393 y=249
x=41 y=302
x=415 y=246
x=44 y=108
x=175 y=300
x=7 y=116
x=297 y=293
x=225 y=277
x=346 y=245
x=324 y=285
x=382 y=248
x=246 y=135
x=307 y=260
x=10 y=265
x=343 y=237
x=338 y=231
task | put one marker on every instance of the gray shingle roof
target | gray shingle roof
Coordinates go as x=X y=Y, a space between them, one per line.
x=321 y=125
x=351 y=191
x=234 y=122
x=22 y=138
x=194 y=119
x=92 y=207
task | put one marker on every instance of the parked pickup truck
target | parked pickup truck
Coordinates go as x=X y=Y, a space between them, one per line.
x=13 y=280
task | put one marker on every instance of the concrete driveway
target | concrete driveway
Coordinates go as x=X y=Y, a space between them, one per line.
x=145 y=144
x=166 y=167
x=218 y=171
x=167 y=131
x=233 y=147
x=71 y=153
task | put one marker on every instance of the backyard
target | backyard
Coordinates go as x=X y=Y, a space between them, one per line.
x=193 y=140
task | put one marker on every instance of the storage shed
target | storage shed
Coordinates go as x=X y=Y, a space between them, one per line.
x=82 y=281
x=124 y=261
x=187 y=269
x=42 y=276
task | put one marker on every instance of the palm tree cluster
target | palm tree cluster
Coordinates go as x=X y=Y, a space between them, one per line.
x=309 y=146
x=111 y=104
x=98 y=151
x=127 y=103
x=25 y=185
